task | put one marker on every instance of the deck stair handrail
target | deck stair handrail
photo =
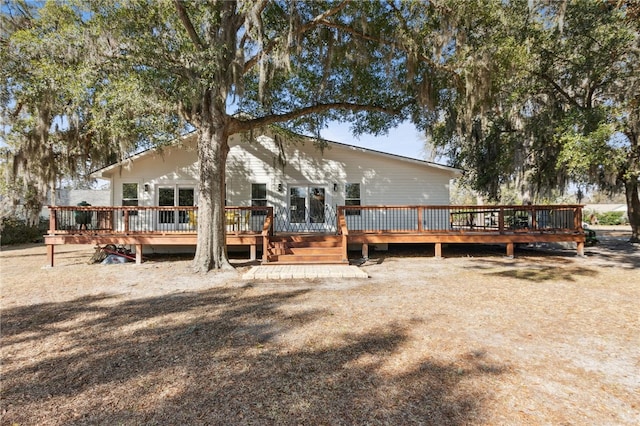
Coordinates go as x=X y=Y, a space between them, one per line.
x=267 y=232
x=343 y=230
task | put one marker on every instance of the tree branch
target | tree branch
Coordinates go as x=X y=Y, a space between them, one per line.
x=188 y=25
x=245 y=125
x=559 y=89
x=16 y=111
x=391 y=43
x=251 y=62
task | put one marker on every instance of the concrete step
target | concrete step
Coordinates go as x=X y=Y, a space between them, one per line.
x=291 y=259
x=306 y=251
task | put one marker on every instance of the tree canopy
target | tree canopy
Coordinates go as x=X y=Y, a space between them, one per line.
x=565 y=108
x=59 y=115
x=143 y=70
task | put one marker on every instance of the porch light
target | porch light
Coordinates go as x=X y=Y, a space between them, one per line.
x=280 y=187
x=146 y=187
x=335 y=187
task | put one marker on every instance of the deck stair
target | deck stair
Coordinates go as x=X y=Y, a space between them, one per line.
x=306 y=249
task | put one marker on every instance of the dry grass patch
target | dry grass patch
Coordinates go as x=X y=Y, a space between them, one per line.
x=540 y=339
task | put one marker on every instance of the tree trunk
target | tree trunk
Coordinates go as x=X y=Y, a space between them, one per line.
x=213 y=147
x=632 y=185
x=631 y=188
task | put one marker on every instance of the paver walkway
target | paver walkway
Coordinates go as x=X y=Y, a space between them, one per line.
x=280 y=272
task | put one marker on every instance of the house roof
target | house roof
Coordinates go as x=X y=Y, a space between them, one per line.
x=101 y=172
x=105 y=170
x=396 y=156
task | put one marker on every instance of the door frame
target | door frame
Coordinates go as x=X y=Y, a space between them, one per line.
x=308 y=225
x=177 y=224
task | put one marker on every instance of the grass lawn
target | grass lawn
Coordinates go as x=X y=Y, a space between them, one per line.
x=475 y=338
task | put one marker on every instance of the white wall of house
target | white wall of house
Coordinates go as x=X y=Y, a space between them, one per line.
x=383 y=179
x=172 y=166
x=71 y=197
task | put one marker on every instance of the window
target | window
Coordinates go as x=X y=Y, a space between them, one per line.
x=258 y=198
x=130 y=196
x=352 y=198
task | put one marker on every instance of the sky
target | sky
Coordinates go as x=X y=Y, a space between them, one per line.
x=403 y=140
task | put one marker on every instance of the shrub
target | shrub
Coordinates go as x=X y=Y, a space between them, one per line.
x=611 y=218
x=607 y=218
x=16 y=231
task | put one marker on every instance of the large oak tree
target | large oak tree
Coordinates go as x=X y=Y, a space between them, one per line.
x=234 y=66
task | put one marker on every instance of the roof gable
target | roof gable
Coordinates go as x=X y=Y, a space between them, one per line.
x=190 y=139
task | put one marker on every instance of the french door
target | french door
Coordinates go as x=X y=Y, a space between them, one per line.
x=175 y=196
x=307 y=208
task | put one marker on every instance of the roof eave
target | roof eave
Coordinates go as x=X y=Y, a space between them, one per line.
x=107 y=171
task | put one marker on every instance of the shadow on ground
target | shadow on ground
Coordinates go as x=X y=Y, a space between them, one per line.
x=545 y=273
x=218 y=357
x=616 y=252
x=613 y=252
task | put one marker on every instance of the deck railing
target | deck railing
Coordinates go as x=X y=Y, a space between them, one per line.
x=148 y=219
x=305 y=220
x=438 y=219
x=358 y=219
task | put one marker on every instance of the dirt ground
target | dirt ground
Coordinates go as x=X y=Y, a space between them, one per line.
x=475 y=338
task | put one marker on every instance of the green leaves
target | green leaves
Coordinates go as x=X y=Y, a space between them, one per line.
x=545 y=88
x=589 y=156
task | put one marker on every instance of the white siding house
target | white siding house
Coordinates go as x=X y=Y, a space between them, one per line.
x=276 y=192
x=304 y=191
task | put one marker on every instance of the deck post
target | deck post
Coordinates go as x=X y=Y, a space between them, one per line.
x=438 y=250
x=577 y=218
x=138 y=254
x=509 y=249
x=265 y=248
x=52 y=221
x=580 y=248
x=534 y=219
x=126 y=221
x=50 y=253
x=252 y=252
x=365 y=251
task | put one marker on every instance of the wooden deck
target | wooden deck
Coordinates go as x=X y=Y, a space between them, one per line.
x=253 y=227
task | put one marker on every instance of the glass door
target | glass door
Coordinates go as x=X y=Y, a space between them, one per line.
x=297 y=204
x=307 y=208
x=316 y=205
x=186 y=197
x=175 y=196
x=166 y=198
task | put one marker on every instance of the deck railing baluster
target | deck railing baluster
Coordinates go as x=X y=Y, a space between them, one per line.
x=360 y=219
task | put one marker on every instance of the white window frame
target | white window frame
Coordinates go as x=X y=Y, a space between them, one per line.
x=176 y=186
x=359 y=199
